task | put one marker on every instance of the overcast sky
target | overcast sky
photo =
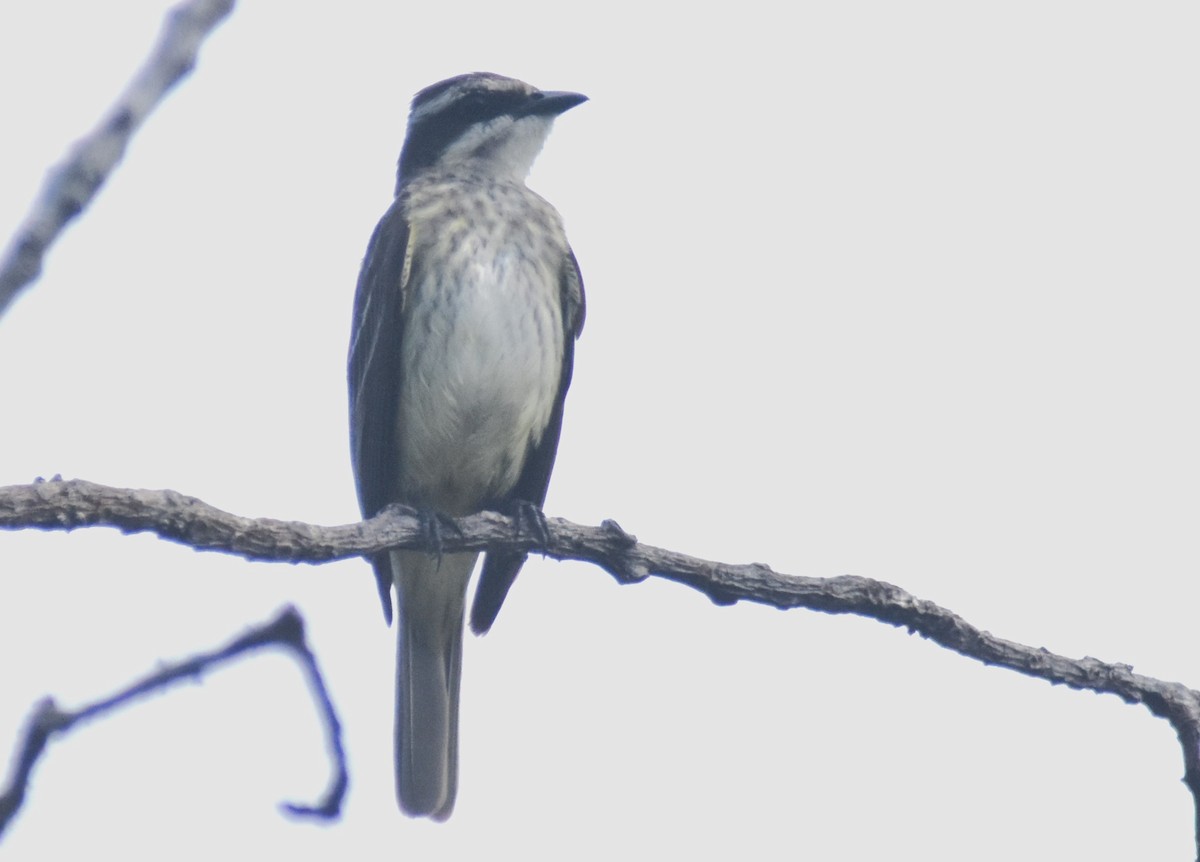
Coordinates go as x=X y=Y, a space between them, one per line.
x=901 y=290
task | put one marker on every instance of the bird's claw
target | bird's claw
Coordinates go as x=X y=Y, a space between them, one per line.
x=432 y=525
x=529 y=518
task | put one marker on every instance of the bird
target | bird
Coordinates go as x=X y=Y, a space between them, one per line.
x=468 y=304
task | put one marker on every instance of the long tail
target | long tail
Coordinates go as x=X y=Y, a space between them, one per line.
x=431 y=599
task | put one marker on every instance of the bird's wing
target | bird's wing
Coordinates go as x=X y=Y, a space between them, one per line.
x=500 y=570
x=374 y=374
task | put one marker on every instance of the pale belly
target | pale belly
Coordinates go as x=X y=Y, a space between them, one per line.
x=482 y=361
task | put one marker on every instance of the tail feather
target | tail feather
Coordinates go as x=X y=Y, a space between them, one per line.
x=499 y=573
x=431 y=601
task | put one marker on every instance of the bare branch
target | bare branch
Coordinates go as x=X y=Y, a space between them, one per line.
x=70 y=186
x=65 y=505
x=286 y=630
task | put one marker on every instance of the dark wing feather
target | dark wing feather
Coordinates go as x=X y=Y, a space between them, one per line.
x=374 y=375
x=500 y=570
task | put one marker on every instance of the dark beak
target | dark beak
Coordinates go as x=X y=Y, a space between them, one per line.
x=552 y=103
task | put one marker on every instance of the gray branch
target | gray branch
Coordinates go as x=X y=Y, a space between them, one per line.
x=286 y=630
x=66 y=505
x=70 y=186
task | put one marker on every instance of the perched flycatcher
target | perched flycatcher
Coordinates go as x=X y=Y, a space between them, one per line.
x=468 y=306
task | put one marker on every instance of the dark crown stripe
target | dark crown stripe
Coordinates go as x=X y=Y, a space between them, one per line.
x=480 y=100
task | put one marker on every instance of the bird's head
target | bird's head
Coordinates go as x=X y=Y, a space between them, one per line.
x=480 y=121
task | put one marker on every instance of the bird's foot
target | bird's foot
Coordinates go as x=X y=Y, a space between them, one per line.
x=529 y=519
x=432 y=526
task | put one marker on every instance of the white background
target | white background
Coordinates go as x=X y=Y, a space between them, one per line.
x=902 y=290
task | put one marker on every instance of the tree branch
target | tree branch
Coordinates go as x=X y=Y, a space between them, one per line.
x=286 y=630
x=70 y=186
x=66 y=505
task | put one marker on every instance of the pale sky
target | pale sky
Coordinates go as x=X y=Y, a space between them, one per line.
x=906 y=291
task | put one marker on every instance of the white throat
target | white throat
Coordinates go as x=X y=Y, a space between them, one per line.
x=503 y=148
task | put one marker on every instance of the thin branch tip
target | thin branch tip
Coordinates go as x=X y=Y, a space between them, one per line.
x=286 y=629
